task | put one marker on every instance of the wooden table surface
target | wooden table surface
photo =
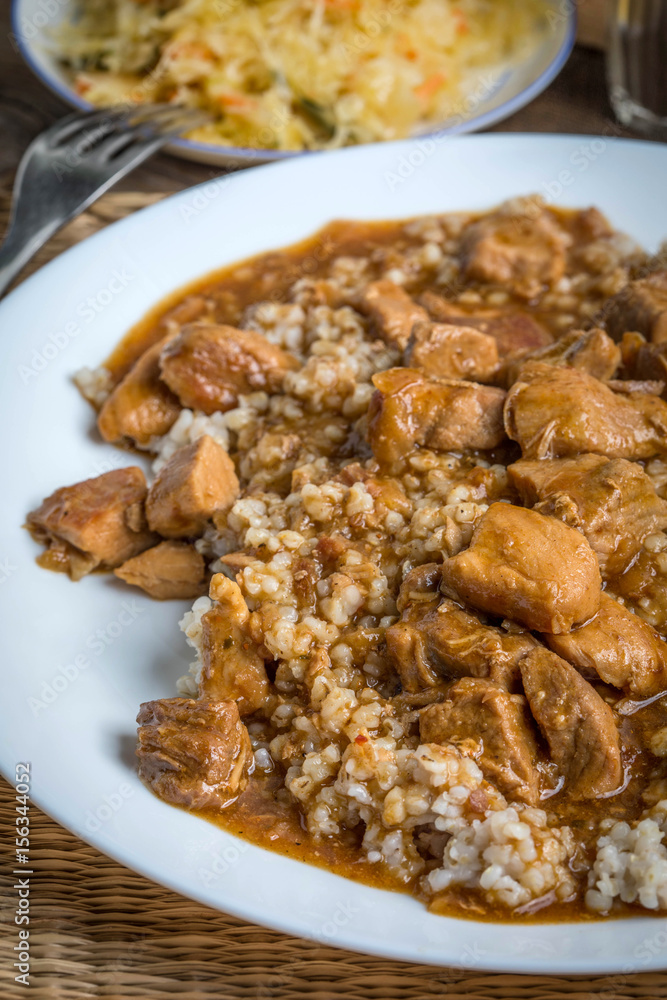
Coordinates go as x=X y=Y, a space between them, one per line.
x=108 y=933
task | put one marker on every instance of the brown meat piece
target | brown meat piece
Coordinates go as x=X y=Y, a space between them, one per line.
x=438 y=638
x=169 y=571
x=629 y=345
x=526 y=567
x=634 y=387
x=522 y=251
x=197 y=481
x=232 y=664
x=209 y=367
x=590 y=351
x=194 y=753
x=391 y=311
x=576 y=723
x=131 y=348
x=643 y=584
x=554 y=412
x=514 y=331
x=387 y=493
x=406 y=704
x=141 y=406
x=641 y=307
x=419 y=585
x=452 y=351
x=619 y=648
x=587 y=225
x=96 y=524
x=408 y=650
x=479 y=710
x=410 y=410
x=191 y=308
x=614 y=503
x=642 y=361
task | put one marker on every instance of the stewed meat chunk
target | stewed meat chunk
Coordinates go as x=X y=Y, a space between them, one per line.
x=192 y=308
x=643 y=585
x=388 y=496
x=208 y=367
x=644 y=361
x=576 y=723
x=408 y=650
x=194 y=753
x=98 y=523
x=411 y=410
x=419 y=585
x=514 y=331
x=635 y=387
x=478 y=711
x=197 y=481
x=452 y=351
x=553 y=412
x=590 y=351
x=524 y=250
x=141 y=406
x=641 y=307
x=588 y=225
x=526 y=567
x=619 y=648
x=232 y=662
x=391 y=311
x=630 y=345
x=169 y=571
x=614 y=503
x=440 y=639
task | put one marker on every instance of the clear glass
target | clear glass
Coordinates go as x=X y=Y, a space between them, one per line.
x=637 y=65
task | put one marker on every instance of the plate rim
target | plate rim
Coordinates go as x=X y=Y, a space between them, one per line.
x=248 y=156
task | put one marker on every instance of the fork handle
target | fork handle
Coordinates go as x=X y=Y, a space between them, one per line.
x=21 y=246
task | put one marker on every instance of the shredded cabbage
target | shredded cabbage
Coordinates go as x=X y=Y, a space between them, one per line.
x=299 y=74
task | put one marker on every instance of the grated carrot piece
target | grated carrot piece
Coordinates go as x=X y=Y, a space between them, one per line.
x=462 y=26
x=428 y=88
x=404 y=46
x=240 y=102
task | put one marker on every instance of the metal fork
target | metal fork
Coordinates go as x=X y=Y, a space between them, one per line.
x=67 y=167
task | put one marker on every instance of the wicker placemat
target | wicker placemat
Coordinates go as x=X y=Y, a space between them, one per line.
x=99 y=930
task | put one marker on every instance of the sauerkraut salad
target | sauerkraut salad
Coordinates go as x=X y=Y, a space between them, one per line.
x=299 y=74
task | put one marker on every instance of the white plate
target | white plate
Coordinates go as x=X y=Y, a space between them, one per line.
x=517 y=83
x=81 y=744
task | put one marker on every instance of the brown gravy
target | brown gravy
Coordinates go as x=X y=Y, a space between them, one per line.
x=269 y=276
x=258 y=818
